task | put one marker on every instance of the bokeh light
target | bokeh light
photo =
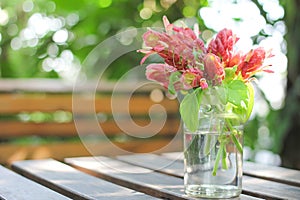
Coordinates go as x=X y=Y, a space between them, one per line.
x=28 y=6
x=3 y=17
x=105 y=3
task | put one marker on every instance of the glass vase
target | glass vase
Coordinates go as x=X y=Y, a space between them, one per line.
x=213 y=156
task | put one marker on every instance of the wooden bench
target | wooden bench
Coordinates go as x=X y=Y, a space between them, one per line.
x=40 y=111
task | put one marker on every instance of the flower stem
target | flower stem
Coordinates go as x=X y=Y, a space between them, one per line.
x=224 y=156
x=236 y=142
x=214 y=173
x=233 y=137
x=208 y=144
x=222 y=150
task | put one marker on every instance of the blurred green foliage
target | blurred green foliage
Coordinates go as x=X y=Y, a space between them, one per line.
x=29 y=47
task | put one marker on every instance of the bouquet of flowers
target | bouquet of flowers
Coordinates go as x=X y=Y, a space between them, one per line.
x=215 y=74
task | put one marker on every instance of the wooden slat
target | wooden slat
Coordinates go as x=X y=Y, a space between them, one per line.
x=109 y=128
x=130 y=176
x=252 y=186
x=273 y=173
x=174 y=155
x=73 y=183
x=10 y=129
x=63 y=86
x=154 y=162
x=16 y=103
x=121 y=104
x=269 y=189
x=134 y=177
x=16 y=187
x=34 y=85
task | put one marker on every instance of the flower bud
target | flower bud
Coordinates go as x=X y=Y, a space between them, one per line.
x=213 y=69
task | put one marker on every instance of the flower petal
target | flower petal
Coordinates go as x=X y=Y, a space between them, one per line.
x=160 y=73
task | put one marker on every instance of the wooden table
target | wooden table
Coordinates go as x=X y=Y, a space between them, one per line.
x=137 y=176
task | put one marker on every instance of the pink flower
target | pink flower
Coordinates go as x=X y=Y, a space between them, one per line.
x=203 y=83
x=192 y=78
x=214 y=70
x=190 y=65
x=160 y=73
x=222 y=45
x=151 y=39
x=252 y=63
x=179 y=47
x=234 y=60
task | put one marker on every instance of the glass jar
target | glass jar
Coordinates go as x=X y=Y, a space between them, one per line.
x=213 y=156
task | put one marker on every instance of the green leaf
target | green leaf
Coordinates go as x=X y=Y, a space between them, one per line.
x=230 y=73
x=250 y=100
x=174 y=77
x=237 y=92
x=241 y=95
x=189 y=109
